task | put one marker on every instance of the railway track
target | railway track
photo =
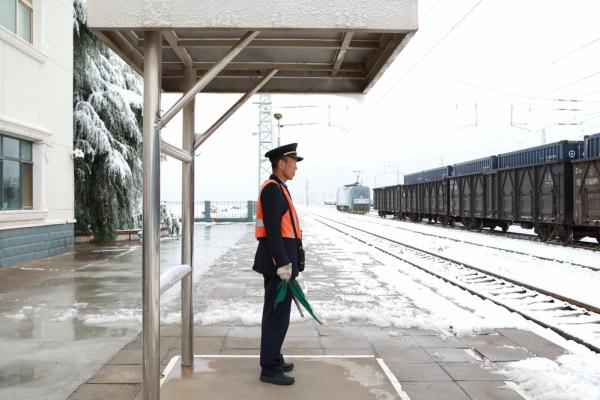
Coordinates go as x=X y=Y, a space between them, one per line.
x=570 y=318
x=515 y=235
x=373 y=220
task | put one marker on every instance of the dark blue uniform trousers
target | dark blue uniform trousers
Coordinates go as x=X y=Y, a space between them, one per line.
x=274 y=327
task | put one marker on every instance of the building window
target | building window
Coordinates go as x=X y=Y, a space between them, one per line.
x=16 y=174
x=17 y=17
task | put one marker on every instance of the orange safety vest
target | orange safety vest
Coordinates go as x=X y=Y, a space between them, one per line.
x=287 y=230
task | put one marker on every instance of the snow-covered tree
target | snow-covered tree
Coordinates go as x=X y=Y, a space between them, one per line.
x=107 y=106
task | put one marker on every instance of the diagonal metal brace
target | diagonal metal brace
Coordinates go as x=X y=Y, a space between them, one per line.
x=202 y=138
x=207 y=77
x=175 y=152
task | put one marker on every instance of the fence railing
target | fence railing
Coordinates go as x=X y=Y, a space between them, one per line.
x=220 y=211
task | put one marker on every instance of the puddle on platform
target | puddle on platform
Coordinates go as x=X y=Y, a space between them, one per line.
x=62 y=317
x=18 y=373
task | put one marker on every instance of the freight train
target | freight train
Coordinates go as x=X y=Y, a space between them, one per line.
x=553 y=189
x=354 y=198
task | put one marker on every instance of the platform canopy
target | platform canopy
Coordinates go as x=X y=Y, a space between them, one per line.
x=317 y=46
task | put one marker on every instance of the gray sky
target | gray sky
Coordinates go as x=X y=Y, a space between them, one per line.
x=446 y=98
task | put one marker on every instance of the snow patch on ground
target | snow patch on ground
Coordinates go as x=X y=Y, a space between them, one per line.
x=218 y=312
x=67 y=315
x=18 y=316
x=570 y=377
x=120 y=315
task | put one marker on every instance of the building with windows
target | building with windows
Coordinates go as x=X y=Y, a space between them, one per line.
x=36 y=129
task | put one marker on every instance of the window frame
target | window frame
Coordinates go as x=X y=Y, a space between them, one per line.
x=21 y=161
x=28 y=4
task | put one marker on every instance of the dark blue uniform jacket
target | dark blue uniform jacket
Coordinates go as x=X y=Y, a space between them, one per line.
x=275 y=251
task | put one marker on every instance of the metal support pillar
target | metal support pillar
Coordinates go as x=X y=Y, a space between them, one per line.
x=187 y=237
x=151 y=216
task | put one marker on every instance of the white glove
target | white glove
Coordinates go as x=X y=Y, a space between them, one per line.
x=285 y=273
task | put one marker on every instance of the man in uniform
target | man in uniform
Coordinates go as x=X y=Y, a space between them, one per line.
x=278 y=233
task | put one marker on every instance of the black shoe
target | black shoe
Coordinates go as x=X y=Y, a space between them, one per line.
x=281 y=379
x=287 y=366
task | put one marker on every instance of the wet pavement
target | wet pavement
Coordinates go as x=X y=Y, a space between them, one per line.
x=427 y=364
x=63 y=317
x=70 y=325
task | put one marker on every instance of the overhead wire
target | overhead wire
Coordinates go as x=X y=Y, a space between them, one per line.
x=497 y=90
x=528 y=73
x=427 y=53
x=511 y=137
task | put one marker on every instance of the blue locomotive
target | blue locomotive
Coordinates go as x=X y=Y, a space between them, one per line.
x=354 y=198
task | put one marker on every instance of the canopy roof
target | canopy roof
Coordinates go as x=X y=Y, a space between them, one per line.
x=335 y=46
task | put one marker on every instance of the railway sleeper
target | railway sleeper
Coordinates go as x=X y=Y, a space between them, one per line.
x=561 y=308
x=521 y=291
x=523 y=297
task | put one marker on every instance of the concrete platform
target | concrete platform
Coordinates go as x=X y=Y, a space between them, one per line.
x=220 y=377
x=410 y=360
x=428 y=364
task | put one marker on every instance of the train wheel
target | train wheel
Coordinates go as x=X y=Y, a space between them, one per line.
x=466 y=223
x=504 y=227
x=478 y=225
x=492 y=227
x=565 y=234
x=543 y=233
x=598 y=238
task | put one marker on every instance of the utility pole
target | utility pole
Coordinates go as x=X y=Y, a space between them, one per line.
x=517 y=124
x=543 y=136
x=278 y=117
x=391 y=168
x=265 y=137
x=306 y=191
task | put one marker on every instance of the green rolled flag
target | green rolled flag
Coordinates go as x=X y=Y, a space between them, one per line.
x=297 y=292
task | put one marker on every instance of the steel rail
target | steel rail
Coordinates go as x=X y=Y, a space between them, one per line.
x=483 y=271
x=470 y=290
x=492 y=247
x=523 y=236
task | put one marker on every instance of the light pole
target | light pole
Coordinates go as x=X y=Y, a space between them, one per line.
x=278 y=117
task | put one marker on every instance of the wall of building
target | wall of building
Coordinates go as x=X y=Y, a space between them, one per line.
x=36 y=88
